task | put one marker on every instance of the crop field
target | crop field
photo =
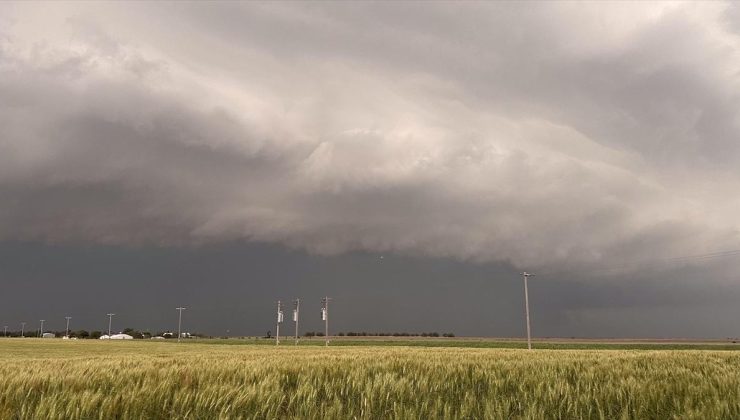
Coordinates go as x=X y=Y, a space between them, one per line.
x=55 y=379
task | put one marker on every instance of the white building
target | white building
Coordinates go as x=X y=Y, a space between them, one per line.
x=116 y=337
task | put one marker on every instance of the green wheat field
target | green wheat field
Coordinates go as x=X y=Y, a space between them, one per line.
x=88 y=379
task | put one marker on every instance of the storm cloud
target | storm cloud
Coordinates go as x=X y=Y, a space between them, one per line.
x=551 y=135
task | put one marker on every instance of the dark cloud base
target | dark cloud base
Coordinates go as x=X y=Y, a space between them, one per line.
x=465 y=142
x=234 y=287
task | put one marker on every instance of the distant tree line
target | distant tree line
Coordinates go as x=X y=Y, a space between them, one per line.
x=381 y=334
x=83 y=334
x=36 y=332
x=95 y=334
x=395 y=334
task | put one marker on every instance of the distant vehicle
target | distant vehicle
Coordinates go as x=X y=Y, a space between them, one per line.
x=158 y=338
x=48 y=335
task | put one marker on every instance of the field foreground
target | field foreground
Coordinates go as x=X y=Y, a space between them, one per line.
x=164 y=380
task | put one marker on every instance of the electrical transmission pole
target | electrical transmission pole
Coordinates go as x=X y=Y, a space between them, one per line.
x=325 y=317
x=41 y=331
x=23 y=327
x=526 y=306
x=67 y=318
x=296 y=313
x=279 y=321
x=110 y=322
x=6 y=330
x=179 y=323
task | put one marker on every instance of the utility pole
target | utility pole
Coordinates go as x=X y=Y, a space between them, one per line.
x=6 y=330
x=279 y=321
x=179 y=323
x=110 y=322
x=67 y=318
x=41 y=331
x=23 y=327
x=325 y=317
x=296 y=313
x=526 y=305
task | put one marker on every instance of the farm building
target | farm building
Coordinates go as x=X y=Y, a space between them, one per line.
x=116 y=337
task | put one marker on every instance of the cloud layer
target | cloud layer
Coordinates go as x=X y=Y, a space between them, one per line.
x=551 y=134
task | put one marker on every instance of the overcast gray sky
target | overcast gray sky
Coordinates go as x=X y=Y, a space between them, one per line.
x=222 y=156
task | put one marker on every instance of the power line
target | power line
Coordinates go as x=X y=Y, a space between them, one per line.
x=633 y=264
x=325 y=317
x=526 y=275
x=110 y=323
x=279 y=321
x=296 y=313
x=179 y=322
x=67 y=330
x=716 y=254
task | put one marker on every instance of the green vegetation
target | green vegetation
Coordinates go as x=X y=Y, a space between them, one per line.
x=55 y=379
x=483 y=343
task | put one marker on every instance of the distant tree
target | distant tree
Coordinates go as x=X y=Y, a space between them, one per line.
x=95 y=334
x=341 y=334
x=81 y=334
x=133 y=333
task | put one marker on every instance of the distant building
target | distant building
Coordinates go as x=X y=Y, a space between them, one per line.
x=116 y=337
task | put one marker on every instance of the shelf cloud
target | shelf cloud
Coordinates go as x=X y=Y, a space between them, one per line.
x=560 y=135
